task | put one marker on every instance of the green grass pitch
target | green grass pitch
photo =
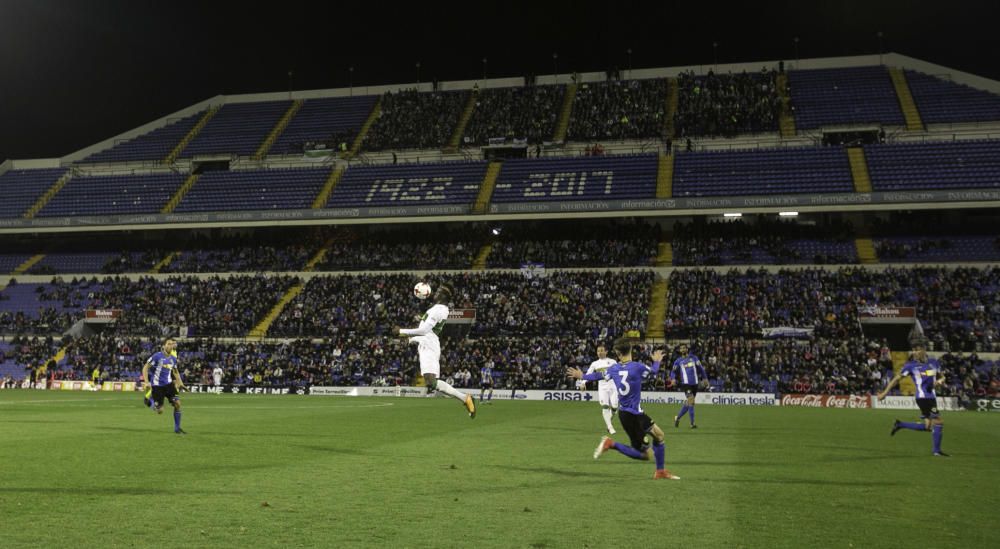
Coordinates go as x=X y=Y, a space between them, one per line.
x=99 y=470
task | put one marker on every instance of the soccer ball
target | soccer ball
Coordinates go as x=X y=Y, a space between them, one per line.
x=422 y=290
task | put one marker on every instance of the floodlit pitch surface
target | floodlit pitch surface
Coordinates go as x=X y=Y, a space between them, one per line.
x=99 y=470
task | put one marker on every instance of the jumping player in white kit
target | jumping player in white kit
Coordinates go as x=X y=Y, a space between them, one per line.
x=429 y=347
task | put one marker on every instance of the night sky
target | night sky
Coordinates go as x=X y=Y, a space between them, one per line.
x=73 y=73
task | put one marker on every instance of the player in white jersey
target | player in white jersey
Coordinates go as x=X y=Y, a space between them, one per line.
x=217 y=375
x=429 y=347
x=607 y=393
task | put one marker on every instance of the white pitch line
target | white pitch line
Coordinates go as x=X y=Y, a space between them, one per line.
x=87 y=401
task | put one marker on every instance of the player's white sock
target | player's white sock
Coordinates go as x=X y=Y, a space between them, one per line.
x=606 y=412
x=447 y=389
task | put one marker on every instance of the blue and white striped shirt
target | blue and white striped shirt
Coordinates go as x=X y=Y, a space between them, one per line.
x=161 y=369
x=690 y=369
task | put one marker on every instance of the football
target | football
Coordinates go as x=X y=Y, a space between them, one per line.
x=422 y=290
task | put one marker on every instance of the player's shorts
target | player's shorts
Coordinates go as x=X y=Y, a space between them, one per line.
x=486 y=382
x=928 y=408
x=637 y=426
x=168 y=392
x=430 y=360
x=607 y=394
x=690 y=390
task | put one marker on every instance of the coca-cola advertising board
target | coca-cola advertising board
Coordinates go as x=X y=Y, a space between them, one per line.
x=828 y=401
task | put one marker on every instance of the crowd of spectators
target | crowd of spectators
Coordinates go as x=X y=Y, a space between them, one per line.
x=960 y=308
x=414 y=120
x=740 y=242
x=430 y=247
x=528 y=112
x=586 y=304
x=726 y=104
x=555 y=244
x=896 y=250
x=810 y=366
x=617 y=110
x=217 y=306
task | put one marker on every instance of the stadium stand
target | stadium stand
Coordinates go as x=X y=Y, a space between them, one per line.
x=113 y=194
x=577 y=178
x=413 y=120
x=858 y=95
x=616 y=109
x=528 y=112
x=330 y=121
x=21 y=188
x=943 y=101
x=409 y=184
x=155 y=145
x=763 y=243
x=275 y=189
x=759 y=172
x=727 y=104
x=939 y=165
x=237 y=129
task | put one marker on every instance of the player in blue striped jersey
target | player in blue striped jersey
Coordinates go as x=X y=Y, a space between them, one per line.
x=628 y=377
x=689 y=374
x=926 y=374
x=160 y=372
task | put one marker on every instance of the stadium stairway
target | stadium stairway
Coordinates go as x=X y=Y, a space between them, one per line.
x=463 y=121
x=866 y=250
x=260 y=330
x=910 y=112
x=191 y=134
x=859 y=170
x=23 y=267
x=786 y=120
x=327 y=190
x=906 y=385
x=181 y=191
x=277 y=129
x=164 y=262
x=360 y=138
x=486 y=188
x=479 y=264
x=672 y=98
x=664 y=254
x=44 y=199
x=657 y=309
x=665 y=176
x=320 y=255
x=562 y=126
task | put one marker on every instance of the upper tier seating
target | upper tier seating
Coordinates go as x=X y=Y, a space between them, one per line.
x=155 y=145
x=21 y=188
x=577 y=178
x=277 y=189
x=113 y=194
x=765 y=171
x=941 y=101
x=237 y=129
x=528 y=112
x=631 y=109
x=320 y=120
x=413 y=120
x=950 y=165
x=409 y=185
x=858 y=95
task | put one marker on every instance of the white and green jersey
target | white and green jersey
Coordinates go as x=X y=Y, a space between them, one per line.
x=600 y=366
x=430 y=326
